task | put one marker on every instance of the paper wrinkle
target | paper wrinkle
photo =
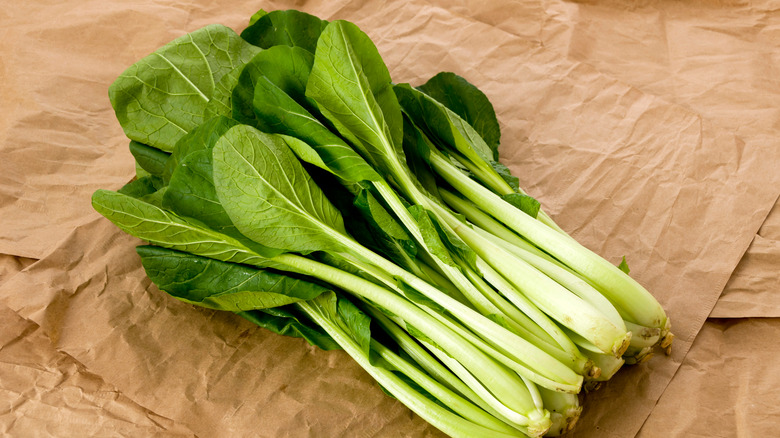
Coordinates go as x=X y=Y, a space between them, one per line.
x=726 y=387
x=752 y=290
x=49 y=393
x=558 y=118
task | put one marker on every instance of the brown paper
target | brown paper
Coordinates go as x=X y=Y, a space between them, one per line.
x=626 y=172
x=47 y=393
x=213 y=372
x=718 y=59
x=752 y=290
x=727 y=387
x=12 y=265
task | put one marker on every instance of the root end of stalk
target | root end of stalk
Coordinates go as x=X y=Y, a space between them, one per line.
x=540 y=424
x=594 y=372
x=618 y=350
x=641 y=356
x=573 y=419
x=591 y=385
x=666 y=341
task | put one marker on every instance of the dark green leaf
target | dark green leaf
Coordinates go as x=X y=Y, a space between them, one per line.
x=220 y=285
x=443 y=126
x=270 y=197
x=418 y=151
x=286 y=68
x=150 y=159
x=430 y=235
x=289 y=321
x=204 y=137
x=525 y=203
x=164 y=95
x=142 y=186
x=287 y=28
x=468 y=102
x=382 y=222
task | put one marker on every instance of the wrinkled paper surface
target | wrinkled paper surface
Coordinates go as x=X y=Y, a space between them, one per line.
x=625 y=167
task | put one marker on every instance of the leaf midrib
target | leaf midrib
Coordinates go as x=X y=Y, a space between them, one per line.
x=296 y=210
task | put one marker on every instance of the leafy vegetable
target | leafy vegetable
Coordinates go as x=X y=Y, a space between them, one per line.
x=283 y=177
x=163 y=96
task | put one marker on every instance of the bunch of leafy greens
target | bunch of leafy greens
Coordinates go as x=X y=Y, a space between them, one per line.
x=283 y=176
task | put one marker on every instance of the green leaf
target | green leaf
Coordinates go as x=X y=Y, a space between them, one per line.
x=352 y=88
x=140 y=172
x=202 y=138
x=382 y=220
x=164 y=95
x=430 y=235
x=271 y=96
x=155 y=225
x=220 y=285
x=221 y=102
x=150 y=159
x=141 y=187
x=289 y=321
x=506 y=175
x=381 y=231
x=443 y=125
x=355 y=323
x=283 y=72
x=270 y=197
x=256 y=16
x=525 y=203
x=468 y=102
x=287 y=28
x=418 y=151
x=441 y=243
x=623 y=266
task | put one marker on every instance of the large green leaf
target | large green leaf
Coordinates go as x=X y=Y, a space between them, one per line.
x=162 y=228
x=352 y=88
x=270 y=197
x=271 y=96
x=440 y=242
x=163 y=96
x=418 y=151
x=220 y=103
x=468 y=102
x=288 y=28
x=220 y=285
x=190 y=191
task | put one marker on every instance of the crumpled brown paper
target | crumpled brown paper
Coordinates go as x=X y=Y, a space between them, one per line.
x=720 y=60
x=47 y=393
x=754 y=288
x=625 y=171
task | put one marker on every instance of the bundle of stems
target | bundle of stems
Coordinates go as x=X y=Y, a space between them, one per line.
x=283 y=176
